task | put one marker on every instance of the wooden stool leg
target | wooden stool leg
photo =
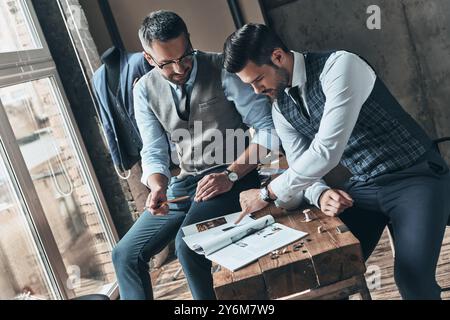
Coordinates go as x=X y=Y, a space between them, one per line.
x=364 y=291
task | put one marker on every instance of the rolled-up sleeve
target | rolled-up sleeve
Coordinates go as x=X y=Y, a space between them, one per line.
x=313 y=192
x=155 y=150
x=255 y=110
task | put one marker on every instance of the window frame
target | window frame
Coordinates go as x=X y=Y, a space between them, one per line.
x=31 y=224
x=26 y=57
x=24 y=66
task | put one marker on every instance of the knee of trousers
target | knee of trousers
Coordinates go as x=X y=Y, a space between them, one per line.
x=118 y=255
x=123 y=257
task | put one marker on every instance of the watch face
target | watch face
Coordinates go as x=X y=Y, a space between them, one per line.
x=233 y=176
x=264 y=195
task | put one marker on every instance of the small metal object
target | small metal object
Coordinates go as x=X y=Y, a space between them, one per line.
x=342 y=228
x=274 y=254
x=307 y=213
x=214 y=269
x=177 y=273
x=320 y=229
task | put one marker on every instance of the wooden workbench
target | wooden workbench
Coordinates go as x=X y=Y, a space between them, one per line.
x=329 y=265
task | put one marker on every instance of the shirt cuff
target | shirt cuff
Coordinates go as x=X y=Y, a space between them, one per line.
x=313 y=193
x=148 y=170
x=291 y=205
x=281 y=189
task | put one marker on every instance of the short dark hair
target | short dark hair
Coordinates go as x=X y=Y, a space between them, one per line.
x=161 y=25
x=253 y=42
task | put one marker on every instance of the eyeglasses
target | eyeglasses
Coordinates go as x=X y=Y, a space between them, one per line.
x=187 y=57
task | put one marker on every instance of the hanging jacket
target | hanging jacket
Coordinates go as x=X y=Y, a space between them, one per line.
x=117 y=112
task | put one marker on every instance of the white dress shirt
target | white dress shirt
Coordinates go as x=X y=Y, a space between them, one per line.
x=347 y=82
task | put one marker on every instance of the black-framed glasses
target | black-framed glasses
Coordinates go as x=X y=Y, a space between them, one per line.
x=187 y=57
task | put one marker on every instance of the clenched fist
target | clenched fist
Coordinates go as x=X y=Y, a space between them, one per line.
x=154 y=201
x=333 y=201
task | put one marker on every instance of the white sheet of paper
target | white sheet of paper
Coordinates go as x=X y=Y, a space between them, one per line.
x=249 y=249
x=235 y=246
x=229 y=218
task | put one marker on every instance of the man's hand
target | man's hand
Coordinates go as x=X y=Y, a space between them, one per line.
x=333 y=201
x=158 y=185
x=212 y=185
x=250 y=202
x=154 y=200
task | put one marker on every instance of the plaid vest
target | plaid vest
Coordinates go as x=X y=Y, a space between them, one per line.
x=384 y=139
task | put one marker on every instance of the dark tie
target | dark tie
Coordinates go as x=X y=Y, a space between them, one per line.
x=183 y=106
x=294 y=92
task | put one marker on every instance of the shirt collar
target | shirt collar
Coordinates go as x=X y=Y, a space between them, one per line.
x=298 y=71
x=192 y=76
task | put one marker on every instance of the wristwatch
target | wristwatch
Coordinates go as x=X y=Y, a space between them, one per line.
x=265 y=196
x=232 y=176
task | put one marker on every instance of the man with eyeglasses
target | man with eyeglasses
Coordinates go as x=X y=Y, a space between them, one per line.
x=190 y=96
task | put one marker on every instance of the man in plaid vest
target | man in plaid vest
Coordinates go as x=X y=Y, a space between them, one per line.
x=331 y=108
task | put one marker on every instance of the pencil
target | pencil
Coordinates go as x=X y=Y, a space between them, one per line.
x=175 y=200
x=170 y=201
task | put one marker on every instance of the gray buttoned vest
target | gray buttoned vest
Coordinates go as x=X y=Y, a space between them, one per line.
x=202 y=142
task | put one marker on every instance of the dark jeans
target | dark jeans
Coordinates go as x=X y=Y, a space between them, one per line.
x=150 y=234
x=417 y=203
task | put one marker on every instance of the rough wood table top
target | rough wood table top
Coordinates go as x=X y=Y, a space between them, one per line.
x=323 y=258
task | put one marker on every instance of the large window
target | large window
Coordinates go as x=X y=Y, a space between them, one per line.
x=21 y=267
x=55 y=232
x=17 y=29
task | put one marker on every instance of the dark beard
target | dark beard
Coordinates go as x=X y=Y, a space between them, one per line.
x=177 y=82
x=282 y=82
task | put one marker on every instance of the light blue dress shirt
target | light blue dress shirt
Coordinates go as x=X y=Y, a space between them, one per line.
x=254 y=109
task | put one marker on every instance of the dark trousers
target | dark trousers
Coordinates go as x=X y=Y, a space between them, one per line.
x=150 y=234
x=416 y=201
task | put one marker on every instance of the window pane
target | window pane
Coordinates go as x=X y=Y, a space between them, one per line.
x=17 y=31
x=38 y=122
x=21 y=268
